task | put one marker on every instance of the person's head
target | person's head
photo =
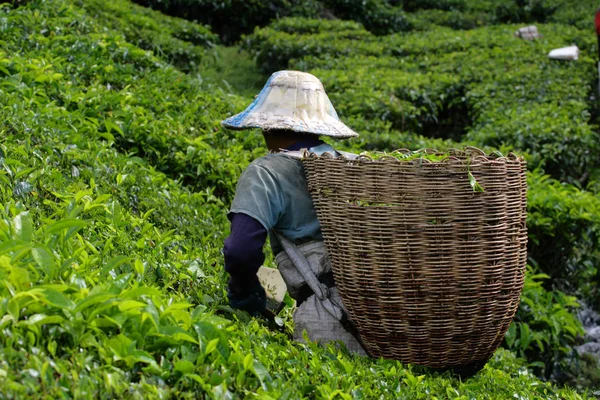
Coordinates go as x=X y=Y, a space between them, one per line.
x=292 y=106
x=276 y=139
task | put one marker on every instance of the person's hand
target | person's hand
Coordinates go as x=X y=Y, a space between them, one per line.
x=252 y=300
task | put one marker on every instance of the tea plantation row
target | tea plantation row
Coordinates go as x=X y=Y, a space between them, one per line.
x=232 y=18
x=111 y=270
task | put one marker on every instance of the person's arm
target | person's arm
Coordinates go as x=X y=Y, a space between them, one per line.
x=243 y=253
x=254 y=210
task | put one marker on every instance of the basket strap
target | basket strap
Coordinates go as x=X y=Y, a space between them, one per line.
x=303 y=266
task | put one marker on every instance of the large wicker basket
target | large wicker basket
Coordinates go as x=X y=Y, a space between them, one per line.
x=430 y=271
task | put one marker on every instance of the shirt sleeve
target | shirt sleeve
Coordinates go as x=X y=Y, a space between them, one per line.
x=243 y=252
x=256 y=209
x=259 y=196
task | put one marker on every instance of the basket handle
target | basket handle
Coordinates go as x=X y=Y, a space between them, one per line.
x=474 y=151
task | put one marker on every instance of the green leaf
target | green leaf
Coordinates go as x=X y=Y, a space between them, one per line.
x=114 y=263
x=64 y=224
x=93 y=300
x=25 y=172
x=511 y=335
x=130 y=304
x=42 y=78
x=184 y=366
x=248 y=360
x=23 y=227
x=537 y=364
x=524 y=335
x=13 y=308
x=139 y=268
x=55 y=298
x=177 y=333
x=106 y=322
x=211 y=346
x=474 y=184
x=143 y=356
x=44 y=259
x=111 y=125
x=108 y=136
x=42 y=319
x=261 y=373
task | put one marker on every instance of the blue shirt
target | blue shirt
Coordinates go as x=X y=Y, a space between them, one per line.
x=273 y=190
x=272 y=193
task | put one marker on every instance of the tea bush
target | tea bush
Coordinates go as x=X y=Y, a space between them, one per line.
x=179 y=42
x=377 y=16
x=564 y=231
x=232 y=18
x=119 y=90
x=471 y=14
x=545 y=330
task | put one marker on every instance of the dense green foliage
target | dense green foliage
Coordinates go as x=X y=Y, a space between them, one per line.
x=469 y=14
x=233 y=18
x=115 y=177
x=377 y=16
x=564 y=228
x=180 y=42
x=544 y=329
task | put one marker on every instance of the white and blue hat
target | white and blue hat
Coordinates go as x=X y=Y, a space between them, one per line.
x=292 y=100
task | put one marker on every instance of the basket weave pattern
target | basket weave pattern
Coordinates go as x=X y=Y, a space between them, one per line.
x=430 y=271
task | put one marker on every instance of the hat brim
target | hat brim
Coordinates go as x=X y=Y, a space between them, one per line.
x=332 y=128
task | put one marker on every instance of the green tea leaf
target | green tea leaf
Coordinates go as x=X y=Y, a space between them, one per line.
x=93 y=300
x=474 y=184
x=130 y=304
x=211 y=346
x=64 y=224
x=115 y=262
x=23 y=227
x=184 y=366
x=44 y=259
x=42 y=319
x=55 y=298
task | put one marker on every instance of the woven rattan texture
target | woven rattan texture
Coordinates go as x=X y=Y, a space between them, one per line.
x=430 y=271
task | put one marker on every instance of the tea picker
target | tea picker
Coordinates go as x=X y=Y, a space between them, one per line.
x=272 y=197
x=528 y=33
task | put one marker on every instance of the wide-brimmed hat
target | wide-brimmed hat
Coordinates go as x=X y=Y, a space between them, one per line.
x=292 y=100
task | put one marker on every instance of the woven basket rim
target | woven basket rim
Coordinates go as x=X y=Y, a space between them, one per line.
x=468 y=155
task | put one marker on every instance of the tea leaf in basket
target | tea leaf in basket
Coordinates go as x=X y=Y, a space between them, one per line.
x=474 y=184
